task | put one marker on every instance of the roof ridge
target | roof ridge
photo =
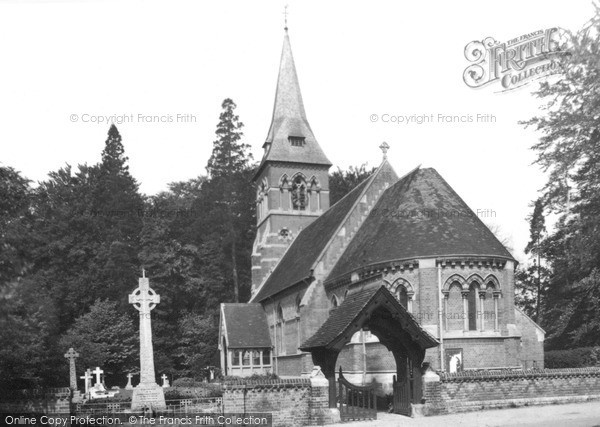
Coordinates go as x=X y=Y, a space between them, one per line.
x=343 y=221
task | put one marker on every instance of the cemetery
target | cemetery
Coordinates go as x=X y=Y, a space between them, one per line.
x=277 y=291
x=286 y=401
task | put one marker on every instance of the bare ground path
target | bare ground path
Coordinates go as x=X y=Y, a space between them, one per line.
x=571 y=415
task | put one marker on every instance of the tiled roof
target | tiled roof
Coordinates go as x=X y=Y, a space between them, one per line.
x=289 y=119
x=418 y=216
x=344 y=316
x=246 y=326
x=298 y=260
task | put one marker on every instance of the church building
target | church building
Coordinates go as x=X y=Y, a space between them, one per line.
x=398 y=275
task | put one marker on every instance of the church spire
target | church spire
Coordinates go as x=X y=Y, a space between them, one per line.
x=290 y=138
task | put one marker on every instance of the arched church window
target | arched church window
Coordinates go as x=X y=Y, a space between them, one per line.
x=299 y=193
x=261 y=199
x=453 y=302
x=334 y=301
x=472 y=304
x=402 y=296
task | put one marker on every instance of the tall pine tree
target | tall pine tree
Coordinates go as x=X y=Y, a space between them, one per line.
x=230 y=192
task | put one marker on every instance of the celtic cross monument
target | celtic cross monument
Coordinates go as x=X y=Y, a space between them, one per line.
x=71 y=355
x=147 y=394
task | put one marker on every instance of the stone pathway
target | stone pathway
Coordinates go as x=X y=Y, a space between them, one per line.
x=572 y=415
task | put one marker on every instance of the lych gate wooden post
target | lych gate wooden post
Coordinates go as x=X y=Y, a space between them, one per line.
x=148 y=392
x=72 y=355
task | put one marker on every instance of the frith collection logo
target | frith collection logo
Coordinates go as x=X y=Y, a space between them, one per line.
x=514 y=63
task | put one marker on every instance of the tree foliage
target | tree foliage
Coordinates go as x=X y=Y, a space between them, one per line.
x=74 y=246
x=342 y=182
x=106 y=337
x=569 y=151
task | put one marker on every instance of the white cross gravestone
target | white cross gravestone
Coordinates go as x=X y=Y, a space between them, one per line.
x=98 y=372
x=129 y=386
x=165 y=381
x=147 y=393
x=72 y=355
x=88 y=380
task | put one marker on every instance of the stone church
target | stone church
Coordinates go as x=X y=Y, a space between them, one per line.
x=398 y=274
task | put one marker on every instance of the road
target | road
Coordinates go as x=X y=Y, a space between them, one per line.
x=571 y=415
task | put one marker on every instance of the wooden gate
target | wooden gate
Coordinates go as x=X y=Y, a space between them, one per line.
x=356 y=402
x=407 y=389
x=401 y=396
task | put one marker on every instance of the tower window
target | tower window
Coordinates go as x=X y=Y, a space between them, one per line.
x=299 y=196
x=296 y=141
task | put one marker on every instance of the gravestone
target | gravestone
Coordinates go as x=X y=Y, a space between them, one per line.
x=98 y=391
x=129 y=386
x=165 y=381
x=98 y=372
x=88 y=380
x=72 y=355
x=147 y=393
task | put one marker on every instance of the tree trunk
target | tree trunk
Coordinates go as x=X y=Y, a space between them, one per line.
x=236 y=285
x=539 y=288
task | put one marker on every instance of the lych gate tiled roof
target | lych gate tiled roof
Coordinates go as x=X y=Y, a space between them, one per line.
x=246 y=326
x=289 y=119
x=419 y=216
x=298 y=260
x=343 y=317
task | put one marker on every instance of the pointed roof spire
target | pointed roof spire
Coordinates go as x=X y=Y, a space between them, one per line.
x=290 y=138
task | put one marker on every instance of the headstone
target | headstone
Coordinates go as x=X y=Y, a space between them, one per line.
x=98 y=372
x=147 y=393
x=129 y=386
x=165 y=381
x=72 y=355
x=88 y=380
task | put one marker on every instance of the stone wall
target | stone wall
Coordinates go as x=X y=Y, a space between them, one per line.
x=476 y=390
x=292 y=402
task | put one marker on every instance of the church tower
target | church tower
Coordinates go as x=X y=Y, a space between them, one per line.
x=292 y=181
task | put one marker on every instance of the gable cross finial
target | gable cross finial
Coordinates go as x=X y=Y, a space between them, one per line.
x=285 y=15
x=384 y=148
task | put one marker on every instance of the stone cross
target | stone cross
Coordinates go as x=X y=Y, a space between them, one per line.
x=165 y=381
x=384 y=148
x=144 y=300
x=147 y=394
x=129 y=386
x=98 y=372
x=72 y=355
x=88 y=379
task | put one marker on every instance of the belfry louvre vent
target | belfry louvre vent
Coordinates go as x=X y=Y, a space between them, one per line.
x=296 y=141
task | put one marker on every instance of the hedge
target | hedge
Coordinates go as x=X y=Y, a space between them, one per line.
x=572 y=358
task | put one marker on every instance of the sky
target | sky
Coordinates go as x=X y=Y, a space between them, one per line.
x=68 y=65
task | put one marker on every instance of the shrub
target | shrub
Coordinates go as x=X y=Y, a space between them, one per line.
x=572 y=358
x=186 y=382
x=253 y=377
x=200 y=391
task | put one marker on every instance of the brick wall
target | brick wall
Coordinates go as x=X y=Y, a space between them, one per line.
x=44 y=401
x=470 y=391
x=292 y=402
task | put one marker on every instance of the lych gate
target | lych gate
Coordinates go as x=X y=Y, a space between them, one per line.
x=376 y=309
